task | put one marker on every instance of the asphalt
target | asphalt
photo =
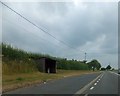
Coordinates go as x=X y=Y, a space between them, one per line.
x=107 y=84
x=68 y=85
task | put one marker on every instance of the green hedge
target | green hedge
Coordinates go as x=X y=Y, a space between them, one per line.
x=18 y=60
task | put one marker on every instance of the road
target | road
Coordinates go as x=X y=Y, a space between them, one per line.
x=106 y=84
x=102 y=83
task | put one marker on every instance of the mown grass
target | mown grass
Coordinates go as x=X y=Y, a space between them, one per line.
x=16 y=80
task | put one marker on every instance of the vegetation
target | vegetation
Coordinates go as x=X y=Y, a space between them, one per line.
x=103 y=69
x=15 y=80
x=94 y=64
x=17 y=60
x=19 y=68
x=108 y=67
x=71 y=65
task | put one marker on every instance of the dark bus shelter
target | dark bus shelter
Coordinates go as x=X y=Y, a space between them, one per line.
x=46 y=65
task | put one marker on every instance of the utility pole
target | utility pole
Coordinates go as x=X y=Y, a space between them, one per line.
x=85 y=56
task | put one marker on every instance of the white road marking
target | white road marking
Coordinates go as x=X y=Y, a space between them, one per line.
x=101 y=76
x=86 y=95
x=115 y=73
x=97 y=81
x=44 y=82
x=95 y=84
x=91 y=88
x=81 y=91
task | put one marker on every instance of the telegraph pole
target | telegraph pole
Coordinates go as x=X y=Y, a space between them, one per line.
x=85 y=56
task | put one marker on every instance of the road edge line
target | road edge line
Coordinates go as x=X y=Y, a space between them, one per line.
x=115 y=73
x=87 y=86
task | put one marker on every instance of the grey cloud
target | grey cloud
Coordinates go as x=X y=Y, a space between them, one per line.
x=75 y=25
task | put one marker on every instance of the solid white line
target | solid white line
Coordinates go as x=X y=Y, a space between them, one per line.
x=91 y=88
x=115 y=73
x=95 y=84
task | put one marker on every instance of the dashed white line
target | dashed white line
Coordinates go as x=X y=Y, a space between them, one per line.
x=91 y=88
x=95 y=84
x=97 y=81
x=44 y=82
x=86 y=95
x=87 y=87
x=101 y=76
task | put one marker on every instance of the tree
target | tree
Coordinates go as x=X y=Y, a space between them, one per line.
x=94 y=64
x=108 y=67
x=84 y=61
x=102 y=69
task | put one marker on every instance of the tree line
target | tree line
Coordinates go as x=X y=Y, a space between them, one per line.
x=108 y=67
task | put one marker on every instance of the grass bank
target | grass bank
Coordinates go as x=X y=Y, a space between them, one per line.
x=19 y=68
x=14 y=81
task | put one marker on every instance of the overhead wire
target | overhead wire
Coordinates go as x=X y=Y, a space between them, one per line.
x=38 y=36
x=36 y=25
x=41 y=28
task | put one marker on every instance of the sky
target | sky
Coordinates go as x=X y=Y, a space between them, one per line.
x=79 y=28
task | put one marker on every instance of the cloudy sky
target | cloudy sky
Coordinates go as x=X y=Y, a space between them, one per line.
x=90 y=27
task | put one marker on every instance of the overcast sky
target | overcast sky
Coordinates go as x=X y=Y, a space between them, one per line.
x=90 y=27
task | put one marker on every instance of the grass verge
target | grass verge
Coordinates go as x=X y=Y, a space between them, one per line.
x=14 y=81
